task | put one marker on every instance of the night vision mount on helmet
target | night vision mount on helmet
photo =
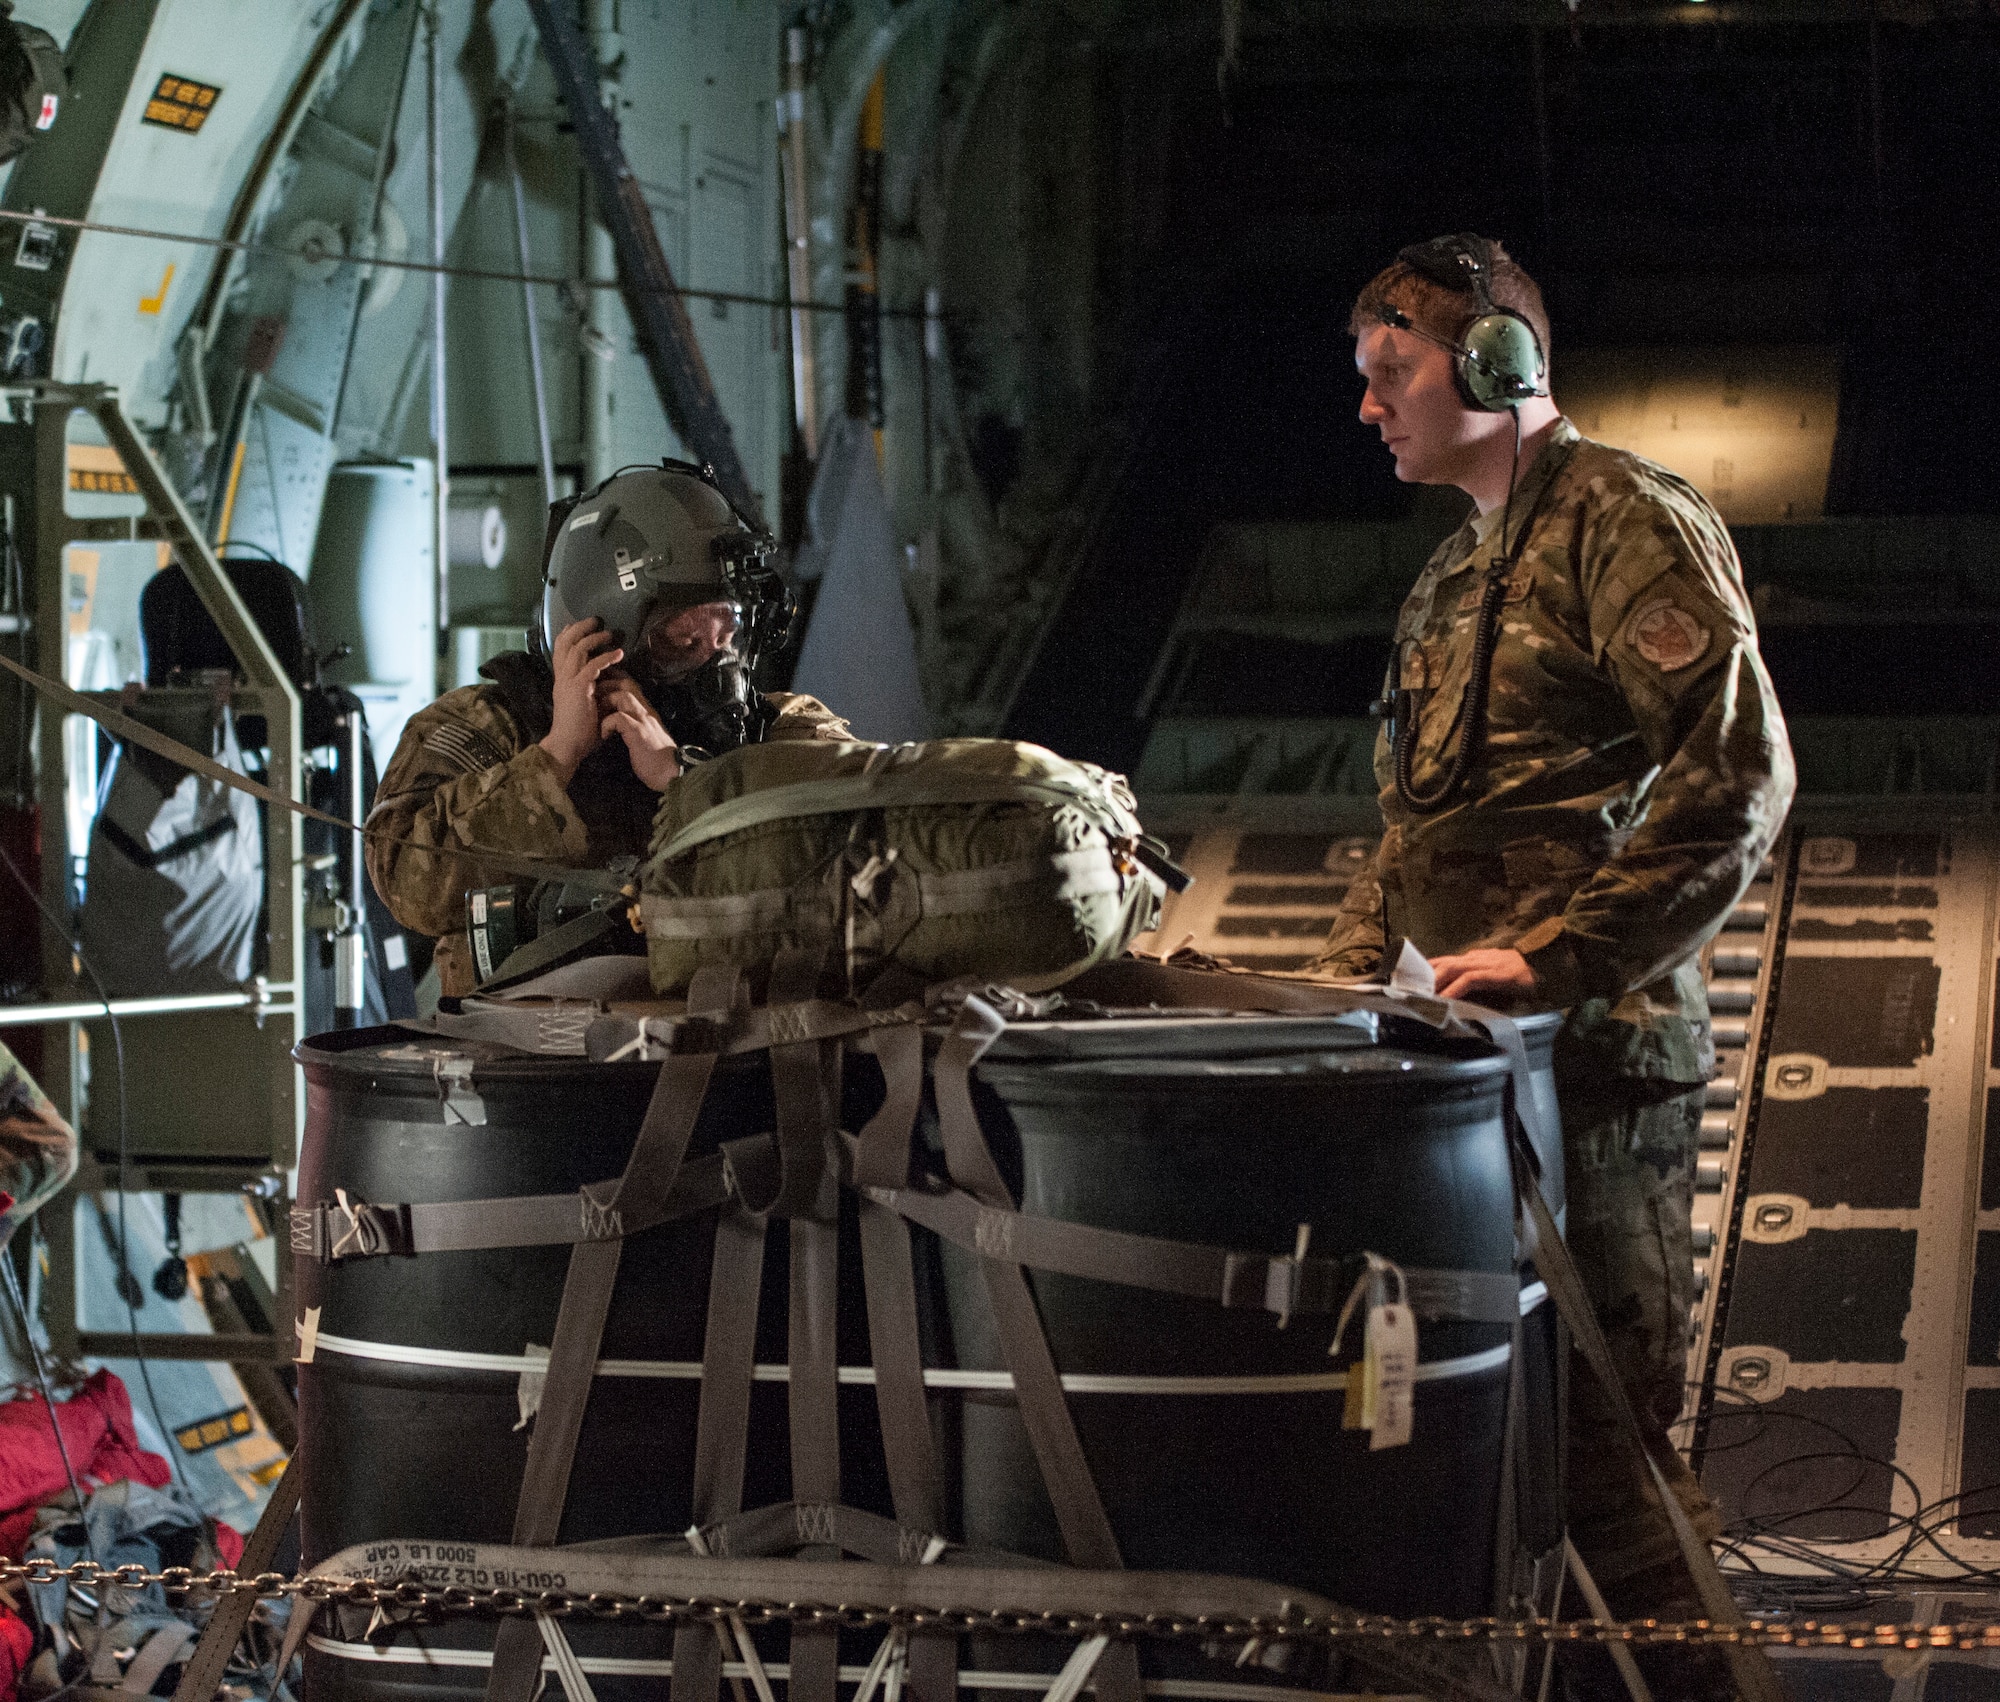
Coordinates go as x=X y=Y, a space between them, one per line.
x=660 y=539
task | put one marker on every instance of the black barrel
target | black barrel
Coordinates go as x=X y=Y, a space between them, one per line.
x=1399 y=1150
x=408 y=1408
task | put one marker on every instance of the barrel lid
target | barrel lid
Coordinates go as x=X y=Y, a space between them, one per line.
x=1155 y=1034
x=1461 y=1064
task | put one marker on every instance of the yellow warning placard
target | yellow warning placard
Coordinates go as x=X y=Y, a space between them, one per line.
x=213 y=1432
x=180 y=103
x=96 y=467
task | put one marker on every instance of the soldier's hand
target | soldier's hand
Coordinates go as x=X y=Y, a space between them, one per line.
x=583 y=651
x=656 y=759
x=1489 y=970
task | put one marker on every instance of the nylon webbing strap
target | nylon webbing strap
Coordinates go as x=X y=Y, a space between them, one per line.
x=1750 y=1667
x=722 y=1424
x=1058 y=878
x=196 y=762
x=544 y=949
x=776 y=1024
x=893 y=789
x=784 y=1527
x=1507 y=1515
x=1086 y=1529
x=895 y=1343
x=809 y=1195
x=328 y=1233
x=203 y=1672
x=647 y=1183
x=1269 y=1281
x=815 y=1430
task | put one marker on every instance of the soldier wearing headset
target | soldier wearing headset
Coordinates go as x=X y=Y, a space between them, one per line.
x=658 y=600
x=1583 y=765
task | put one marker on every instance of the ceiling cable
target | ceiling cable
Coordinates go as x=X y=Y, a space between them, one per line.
x=312 y=251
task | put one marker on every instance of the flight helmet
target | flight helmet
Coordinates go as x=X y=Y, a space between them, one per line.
x=659 y=539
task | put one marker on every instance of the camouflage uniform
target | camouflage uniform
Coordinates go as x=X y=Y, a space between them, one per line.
x=470 y=771
x=1636 y=773
x=37 y=1147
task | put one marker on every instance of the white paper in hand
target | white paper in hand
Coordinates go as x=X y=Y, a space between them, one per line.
x=1414 y=974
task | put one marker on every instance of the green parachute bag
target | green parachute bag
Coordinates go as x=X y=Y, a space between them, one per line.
x=959 y=858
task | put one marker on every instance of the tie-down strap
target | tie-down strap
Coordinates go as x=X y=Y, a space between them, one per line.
x=588 y=1028
x=1257 y=1281
x=328 y=1231
x=670 y=1573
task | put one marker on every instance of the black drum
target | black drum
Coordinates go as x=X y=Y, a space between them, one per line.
x=409 y=1411
x=1215 y=1435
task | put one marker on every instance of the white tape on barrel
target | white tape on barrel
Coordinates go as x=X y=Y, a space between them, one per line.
x=615 y=1666
x=995 y=1382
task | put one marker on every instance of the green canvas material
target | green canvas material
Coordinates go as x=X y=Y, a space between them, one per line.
x=959 y=858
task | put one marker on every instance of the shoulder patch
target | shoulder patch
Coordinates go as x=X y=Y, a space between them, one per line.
x=465 y=748
x=1668 y=636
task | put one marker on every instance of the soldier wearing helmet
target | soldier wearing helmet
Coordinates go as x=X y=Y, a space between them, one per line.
x=658 y=598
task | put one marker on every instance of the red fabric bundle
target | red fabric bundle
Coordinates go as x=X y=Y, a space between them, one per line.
x=17 y=1646
x=103 y=1447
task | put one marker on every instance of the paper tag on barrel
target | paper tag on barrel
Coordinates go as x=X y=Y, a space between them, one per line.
x=1388 y=1374
x=1381 y=1388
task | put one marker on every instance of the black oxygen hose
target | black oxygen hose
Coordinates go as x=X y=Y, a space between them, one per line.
x=1472 y=710
x=1471 y=718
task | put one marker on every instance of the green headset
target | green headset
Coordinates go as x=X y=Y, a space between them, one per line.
x=1498 y=360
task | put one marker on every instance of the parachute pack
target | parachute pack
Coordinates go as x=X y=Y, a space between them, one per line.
x=948 y=860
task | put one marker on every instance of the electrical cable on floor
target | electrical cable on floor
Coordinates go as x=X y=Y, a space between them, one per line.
x=124 y=1141
x=1749 y=1537
x=312 y=252
x=48 y=1399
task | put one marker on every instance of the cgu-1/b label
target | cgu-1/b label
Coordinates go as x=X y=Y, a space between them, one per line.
x=451 y=1565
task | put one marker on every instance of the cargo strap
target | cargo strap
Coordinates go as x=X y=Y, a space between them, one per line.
x=722 y=1423
x=1086 y=1529
x=202 y=1675
x=668 y=1573
x=648 y=1181
x=792 y=1526
x=329 y=1232
x=1750 y=1667
x=546 y=950
x=804 y=1078
x=889 y=789
x=579 y=1028
x=895 y=1340
x=666 y=1570
x=1059 y=877
x=1267 y=1281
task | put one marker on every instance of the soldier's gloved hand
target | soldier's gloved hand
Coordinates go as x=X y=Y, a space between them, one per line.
x=627 y=715
x=583 y=651
x=1489 y=971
